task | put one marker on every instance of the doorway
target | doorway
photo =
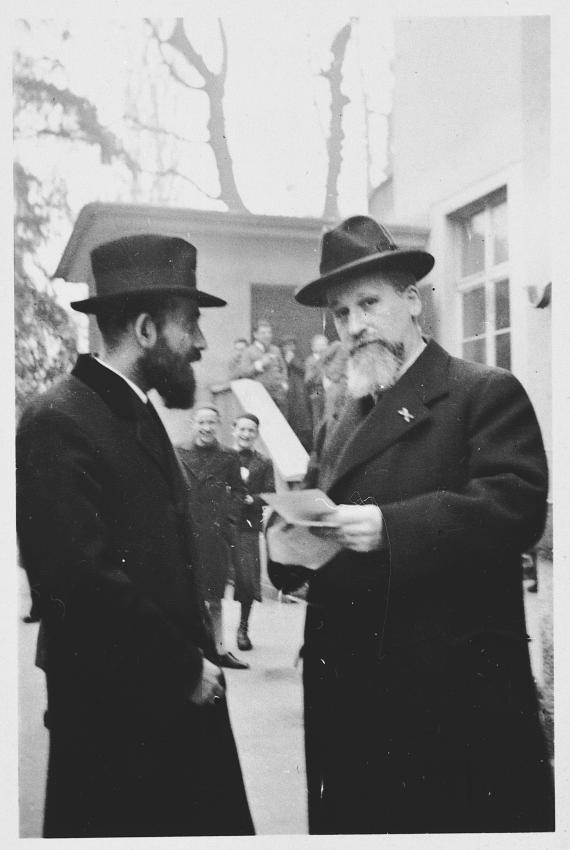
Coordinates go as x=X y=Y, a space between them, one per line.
x=277 y=304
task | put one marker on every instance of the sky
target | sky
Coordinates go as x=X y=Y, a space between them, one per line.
x=276 y=102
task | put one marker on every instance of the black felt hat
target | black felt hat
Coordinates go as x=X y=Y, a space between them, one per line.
x=146 y=264
x=358 y=245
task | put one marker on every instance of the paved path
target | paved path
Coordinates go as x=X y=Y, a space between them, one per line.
x=265 y=705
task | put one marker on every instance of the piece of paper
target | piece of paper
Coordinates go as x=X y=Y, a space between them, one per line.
x=308 y=508
x=297 y=545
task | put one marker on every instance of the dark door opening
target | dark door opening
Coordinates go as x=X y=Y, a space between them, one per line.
x=276 y=304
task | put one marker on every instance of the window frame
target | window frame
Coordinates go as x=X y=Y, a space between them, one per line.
x=486 y=278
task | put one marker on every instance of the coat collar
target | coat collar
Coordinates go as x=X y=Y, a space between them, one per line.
x=112 y=388
x=401 y=409
x=198 y=460
x=125 y=403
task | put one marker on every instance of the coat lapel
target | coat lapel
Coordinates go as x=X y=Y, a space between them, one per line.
x=125 y=403
x=400 y=411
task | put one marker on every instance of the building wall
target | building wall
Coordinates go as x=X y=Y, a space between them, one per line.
x=471 y=114
x=457 y=107
x=234 y=252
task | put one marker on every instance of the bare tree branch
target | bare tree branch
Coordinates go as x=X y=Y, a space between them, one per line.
x=159 y=131
x=172 y=172
x=180 y=42
x=160 y=42
x=214 y=88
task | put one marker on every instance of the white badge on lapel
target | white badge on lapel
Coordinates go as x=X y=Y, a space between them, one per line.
x=403 y=411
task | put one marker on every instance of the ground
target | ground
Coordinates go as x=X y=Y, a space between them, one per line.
x=265 y=705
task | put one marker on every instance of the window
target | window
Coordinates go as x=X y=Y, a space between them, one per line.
x=483 y=280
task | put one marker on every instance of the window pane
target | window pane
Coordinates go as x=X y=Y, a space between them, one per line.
x=473 y=244
x=474 y=312
x=500 y=236
x=503 y=350
x=474 y=350
x=502 y=306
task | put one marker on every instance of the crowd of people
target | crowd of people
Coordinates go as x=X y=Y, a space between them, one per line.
x=420 y=710
x=308 y=392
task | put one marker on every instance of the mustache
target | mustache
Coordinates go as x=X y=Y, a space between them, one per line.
x=393 y=348
x=195 y=355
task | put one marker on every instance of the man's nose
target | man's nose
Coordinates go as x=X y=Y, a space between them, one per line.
x=356 y=322
x=198 y=339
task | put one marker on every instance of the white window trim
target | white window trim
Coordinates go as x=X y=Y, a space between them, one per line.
x=443 y=244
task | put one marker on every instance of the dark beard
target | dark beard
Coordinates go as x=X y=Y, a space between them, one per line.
x=170 y=374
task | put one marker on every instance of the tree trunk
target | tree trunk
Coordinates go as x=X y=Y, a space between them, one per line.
x=336 y=133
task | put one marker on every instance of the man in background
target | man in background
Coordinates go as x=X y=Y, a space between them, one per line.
x=298 y=412
x=314 y=380
x=140 y=740
x=215 y=494
x=240 y=344
x=263 y=362
x=257 y=475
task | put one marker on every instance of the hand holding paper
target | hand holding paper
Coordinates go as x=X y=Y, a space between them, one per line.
x=311 y=529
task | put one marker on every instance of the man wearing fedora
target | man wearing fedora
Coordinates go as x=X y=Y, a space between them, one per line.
x=420 y=708
x=140 y=739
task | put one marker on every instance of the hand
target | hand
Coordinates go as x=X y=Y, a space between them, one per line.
x=210 y=686
x=359 y=527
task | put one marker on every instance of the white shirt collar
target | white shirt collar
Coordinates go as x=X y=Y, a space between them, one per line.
x=142 y=395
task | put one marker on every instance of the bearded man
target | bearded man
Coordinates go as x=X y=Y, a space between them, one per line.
x=420 y=708
x=140 y=739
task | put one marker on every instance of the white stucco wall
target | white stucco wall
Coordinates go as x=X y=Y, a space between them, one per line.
x=457 y=107
x=471 y=113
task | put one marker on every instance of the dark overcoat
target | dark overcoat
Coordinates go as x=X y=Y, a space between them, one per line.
x=420 y=708
x=261 y=479
x=298 y=409
x=215 y=493
x=105 y=539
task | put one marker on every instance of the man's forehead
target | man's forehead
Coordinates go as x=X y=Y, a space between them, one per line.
x=357 y=287
x=206 y=413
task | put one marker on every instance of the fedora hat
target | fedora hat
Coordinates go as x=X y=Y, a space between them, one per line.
x=359 y=245
x=138 y=266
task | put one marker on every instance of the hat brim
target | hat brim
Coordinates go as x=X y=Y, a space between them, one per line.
x=99 y=302
x=417 y=262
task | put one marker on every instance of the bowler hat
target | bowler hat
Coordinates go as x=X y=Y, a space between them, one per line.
x=146 y=264
x=359 y=245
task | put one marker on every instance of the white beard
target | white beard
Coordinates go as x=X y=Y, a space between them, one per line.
x=373 y=368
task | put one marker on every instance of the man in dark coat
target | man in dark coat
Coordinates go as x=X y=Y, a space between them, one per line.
x=140 y=739
x=262 y=361
x=420 y=707
x=215 y=494
x=258 y=477
x=298 y=411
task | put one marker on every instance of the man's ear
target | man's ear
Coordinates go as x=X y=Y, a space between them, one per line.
x=415 y=301
x=145 y=330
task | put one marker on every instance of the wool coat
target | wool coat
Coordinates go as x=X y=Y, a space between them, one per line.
x=106 y=541
x=273 y=376
x=420 y=708
x=298 y=409
x=215 y=494
x=260 y=479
